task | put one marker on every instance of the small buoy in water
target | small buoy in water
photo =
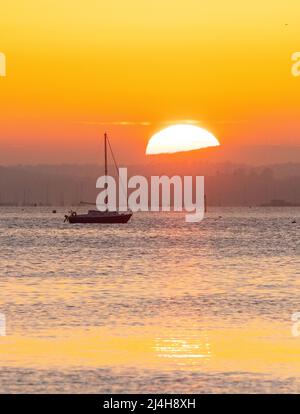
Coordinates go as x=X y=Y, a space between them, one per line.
x=53 y=211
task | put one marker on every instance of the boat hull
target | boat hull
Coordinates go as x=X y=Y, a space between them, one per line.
x=86 y=219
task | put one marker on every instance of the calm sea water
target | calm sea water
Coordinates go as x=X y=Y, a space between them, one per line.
x=157 y=305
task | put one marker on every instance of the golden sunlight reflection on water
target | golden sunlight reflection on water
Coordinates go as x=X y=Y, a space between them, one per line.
x=156 y=296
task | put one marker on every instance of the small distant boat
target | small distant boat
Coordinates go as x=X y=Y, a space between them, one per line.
x=95 y=216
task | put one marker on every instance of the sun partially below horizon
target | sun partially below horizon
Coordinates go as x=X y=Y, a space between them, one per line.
x=179 y=138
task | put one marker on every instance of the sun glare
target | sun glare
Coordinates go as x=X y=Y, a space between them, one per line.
x=178 y=138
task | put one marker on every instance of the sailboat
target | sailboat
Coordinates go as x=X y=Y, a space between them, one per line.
x=96 y=216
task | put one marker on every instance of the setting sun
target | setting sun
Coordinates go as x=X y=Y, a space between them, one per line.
x=178 y=138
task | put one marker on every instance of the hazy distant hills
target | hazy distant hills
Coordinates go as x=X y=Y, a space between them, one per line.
x=227 y=184
x=134 y=153
x=257 y=155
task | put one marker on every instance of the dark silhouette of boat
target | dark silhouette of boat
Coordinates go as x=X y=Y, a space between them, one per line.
x=96 y=216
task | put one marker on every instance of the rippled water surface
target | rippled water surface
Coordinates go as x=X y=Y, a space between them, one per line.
x=157 y=305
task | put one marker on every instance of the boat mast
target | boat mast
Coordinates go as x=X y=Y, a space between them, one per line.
x=105 y=154
x=105 y=167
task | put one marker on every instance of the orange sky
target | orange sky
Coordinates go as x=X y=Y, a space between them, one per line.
x=77 y=68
